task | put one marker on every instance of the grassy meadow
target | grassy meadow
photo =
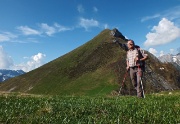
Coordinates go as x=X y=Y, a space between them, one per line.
x=159 y=108
x=81 y=87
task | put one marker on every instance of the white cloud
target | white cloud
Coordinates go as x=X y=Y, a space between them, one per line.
x=88 y=23
x=4 y=38
x=161 y=53
x=164 y=33
x=171 y=14
x=43 y=29
x=80 y=8
x=150 y=17
x=7 y=36
x=35 y=62
x=5 y=60
x=106 y=26
x=153 y=51
x=49 y=30
x=61 y=28
x=28 y=31
x=95 y=9
x=38 y=57
x=171 y=51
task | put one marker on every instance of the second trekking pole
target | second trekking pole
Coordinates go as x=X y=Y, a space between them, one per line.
x=123 y=82
x=139 y=71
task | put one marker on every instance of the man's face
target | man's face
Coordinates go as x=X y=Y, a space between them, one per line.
x=130 y=44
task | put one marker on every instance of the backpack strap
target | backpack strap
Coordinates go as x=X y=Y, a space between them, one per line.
x=140 y=55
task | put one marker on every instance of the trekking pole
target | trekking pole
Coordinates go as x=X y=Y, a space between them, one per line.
x=123 y=82
x=141 y=82
x=142 y=88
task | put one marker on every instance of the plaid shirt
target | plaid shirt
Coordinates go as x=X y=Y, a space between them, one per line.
x=131 y=55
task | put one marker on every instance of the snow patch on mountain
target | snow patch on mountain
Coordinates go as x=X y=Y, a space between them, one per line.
x=7 y=74
x=170 y=58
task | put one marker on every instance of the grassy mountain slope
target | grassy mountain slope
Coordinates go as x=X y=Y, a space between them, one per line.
x=94 y=68
x=82 y=71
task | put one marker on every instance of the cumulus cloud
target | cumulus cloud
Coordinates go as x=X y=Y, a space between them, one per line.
x=7 y=36
x=5 y=60
x=80 y=8
x=153 y=51
x=28 y=31
x=34 y=62
x=164 y=33
x=161 y=53
x=88 y=23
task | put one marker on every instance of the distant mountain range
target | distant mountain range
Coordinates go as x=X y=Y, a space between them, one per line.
x=7 y=74
x=170 y=58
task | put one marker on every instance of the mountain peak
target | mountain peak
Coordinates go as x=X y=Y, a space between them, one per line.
x=118 y=34
x=95 y=68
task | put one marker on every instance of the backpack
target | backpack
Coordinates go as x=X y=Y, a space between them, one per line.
x=140 y=55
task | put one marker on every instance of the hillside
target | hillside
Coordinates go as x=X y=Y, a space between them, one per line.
x=95 y=68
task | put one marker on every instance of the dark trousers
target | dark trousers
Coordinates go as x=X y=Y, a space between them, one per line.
x=136 y=76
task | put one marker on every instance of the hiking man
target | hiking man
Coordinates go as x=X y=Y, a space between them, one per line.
x=134 y=65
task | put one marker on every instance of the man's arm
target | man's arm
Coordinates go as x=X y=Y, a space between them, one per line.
x=127 y=63
x=144 y=58
x=141 y=55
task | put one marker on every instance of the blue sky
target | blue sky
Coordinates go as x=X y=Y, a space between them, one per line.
x=35 y=32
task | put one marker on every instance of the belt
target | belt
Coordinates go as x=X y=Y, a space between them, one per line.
x=134 y=67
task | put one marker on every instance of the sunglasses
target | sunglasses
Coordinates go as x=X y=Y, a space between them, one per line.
x=131 y=44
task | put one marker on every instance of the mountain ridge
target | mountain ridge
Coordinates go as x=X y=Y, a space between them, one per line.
x=95 y=68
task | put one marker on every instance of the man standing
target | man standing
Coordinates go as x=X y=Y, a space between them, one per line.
x=134 y=61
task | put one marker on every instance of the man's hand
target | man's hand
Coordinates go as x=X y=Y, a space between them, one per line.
x=127 y=68
x=136 y=59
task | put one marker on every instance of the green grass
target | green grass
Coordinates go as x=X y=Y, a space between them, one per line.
x=81 y=71
x=94 y=69
x=161 y=108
